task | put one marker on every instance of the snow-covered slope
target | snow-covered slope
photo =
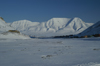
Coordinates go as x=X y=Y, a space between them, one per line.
x=54 y=26
x=23 y=25
x=94 y=29
x=4 y=26
x=5 y=34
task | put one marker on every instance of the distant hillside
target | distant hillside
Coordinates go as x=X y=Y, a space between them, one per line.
x=54 y=26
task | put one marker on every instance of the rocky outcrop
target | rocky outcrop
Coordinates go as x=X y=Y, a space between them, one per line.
x=1 y=18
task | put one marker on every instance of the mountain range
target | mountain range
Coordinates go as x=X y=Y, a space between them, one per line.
x=52 y=27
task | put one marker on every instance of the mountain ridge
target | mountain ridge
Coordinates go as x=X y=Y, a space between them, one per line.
x=54 y=26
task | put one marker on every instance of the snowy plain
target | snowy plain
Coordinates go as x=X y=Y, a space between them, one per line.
x=50 y=52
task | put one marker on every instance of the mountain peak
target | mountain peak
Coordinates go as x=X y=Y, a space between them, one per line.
x=77 y=19
x=23 y=21
x=1 y=18
x=59 y=18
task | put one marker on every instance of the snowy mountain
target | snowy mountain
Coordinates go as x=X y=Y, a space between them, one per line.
x=94 y=29
x=54 y=26
x=4 y=26
x=5 y=34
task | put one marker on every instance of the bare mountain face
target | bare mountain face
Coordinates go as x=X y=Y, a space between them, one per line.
x=94 y=29
x=54 y=26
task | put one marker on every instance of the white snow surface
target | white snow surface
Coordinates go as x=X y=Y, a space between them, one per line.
x=13 y=36
x=50 y=52
x=52 y=27
x=94 y=29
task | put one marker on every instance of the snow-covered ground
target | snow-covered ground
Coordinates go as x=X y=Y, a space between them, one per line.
x=50 y=52
x=9 y=35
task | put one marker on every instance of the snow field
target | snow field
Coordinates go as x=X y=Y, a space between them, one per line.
x=50 y=52
x=10 y=35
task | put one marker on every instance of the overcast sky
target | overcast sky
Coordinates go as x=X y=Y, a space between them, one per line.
x=43 y=10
